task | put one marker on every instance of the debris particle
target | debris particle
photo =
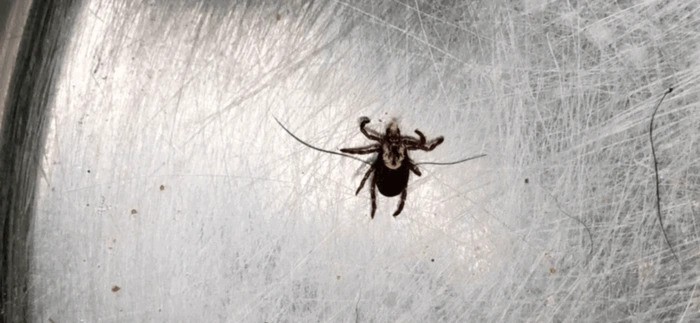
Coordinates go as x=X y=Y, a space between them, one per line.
x=552 y=270
x=133 y=211
x=162 y=187
x=115 y=288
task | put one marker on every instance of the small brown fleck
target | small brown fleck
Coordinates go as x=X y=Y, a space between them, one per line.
x=162 y=187
x=552 y=270
x=337 y=277
x=133 y=211
x=527 y=180
x=115 y=288
x=278 y=17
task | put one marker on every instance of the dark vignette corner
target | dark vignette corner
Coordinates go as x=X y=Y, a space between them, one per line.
x=21 y=144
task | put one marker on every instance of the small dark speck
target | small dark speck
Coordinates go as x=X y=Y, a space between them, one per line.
x=88 y=171
x=278 y=17
x=337 y=277
x=527 y=180
x=115 y=288
x=432 y=260
x=552 y=270
x=162 y=187
x=133 y=211
x=51 y=321
x=87 y=204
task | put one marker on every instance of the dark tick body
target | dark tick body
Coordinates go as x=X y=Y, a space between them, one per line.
x=391 y=169
x=390 y=182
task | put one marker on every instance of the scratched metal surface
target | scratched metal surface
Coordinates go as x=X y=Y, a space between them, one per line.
x=167 y=192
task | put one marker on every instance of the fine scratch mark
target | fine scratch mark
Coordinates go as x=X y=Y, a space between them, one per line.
x=316 y=148
x=656 y=174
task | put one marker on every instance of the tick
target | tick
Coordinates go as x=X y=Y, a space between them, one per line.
x=391 y=167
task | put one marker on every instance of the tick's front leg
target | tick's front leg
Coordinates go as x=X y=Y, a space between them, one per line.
x=371 y=134
x=421 y=137
x=413 y=143
x=433 y=143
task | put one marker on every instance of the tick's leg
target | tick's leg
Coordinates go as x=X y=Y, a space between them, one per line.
x=421 y=137
x=413 y=143
x=414 y=169
x=361 y=150
x=401 y=203
x=364 y=179
x=371 y=134
x=433 y=143
x=373 y=195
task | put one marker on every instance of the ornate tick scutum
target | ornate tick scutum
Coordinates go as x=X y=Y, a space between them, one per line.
x=394 y=151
